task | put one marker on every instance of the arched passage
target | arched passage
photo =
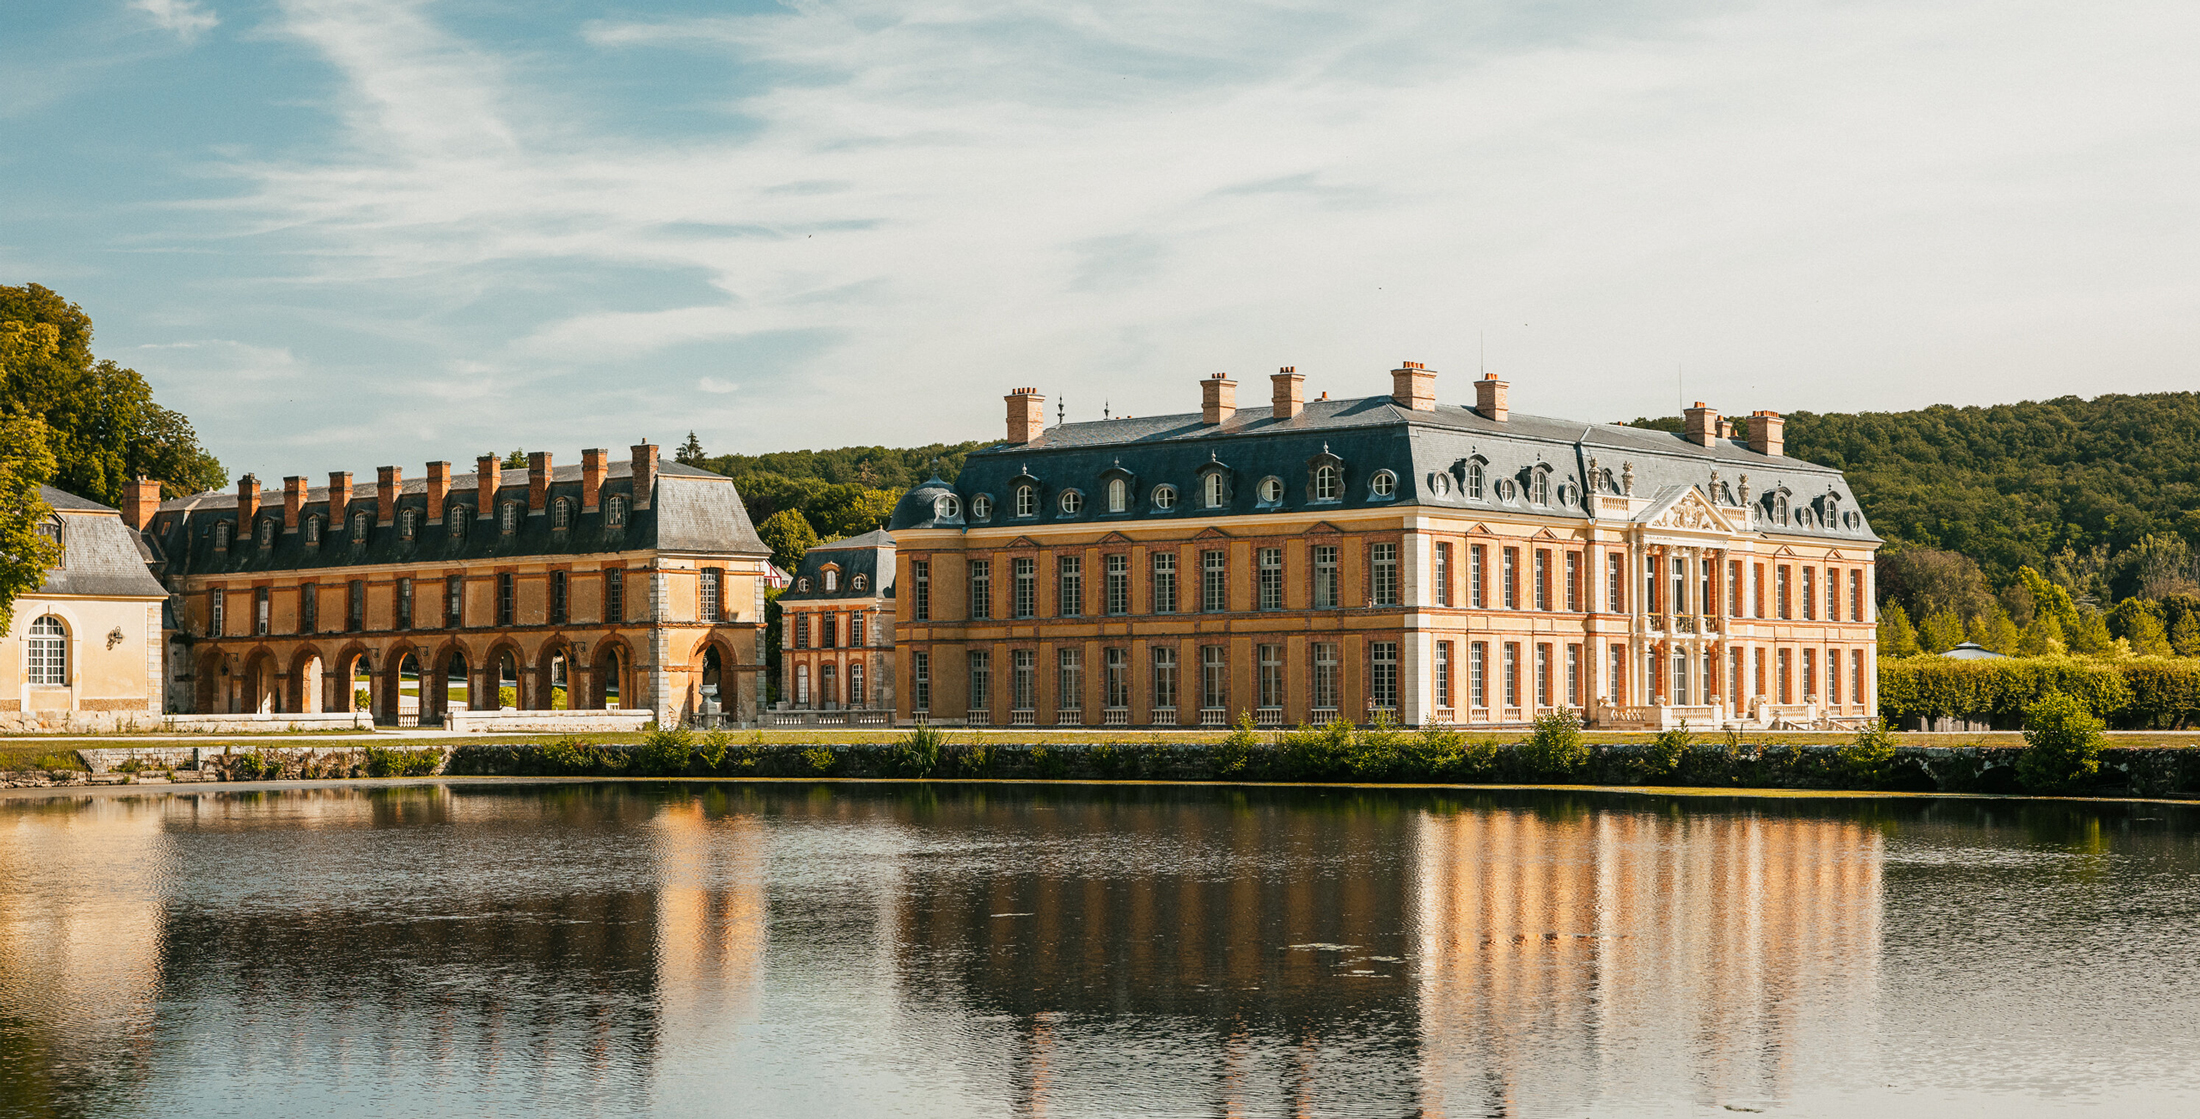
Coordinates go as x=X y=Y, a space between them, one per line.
x=507 y=681
x=260 y=689
x=456 y=693
x=308 y=683
x=554 y=685
x=408 y=690
x=608 y=676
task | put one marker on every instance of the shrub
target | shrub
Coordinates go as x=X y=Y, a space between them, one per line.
x=567 y=755
x=362 y=699
x=820 y=759
x=1870 y=759
x=919 y=752
x=1555 y=747
x=1667 y=751
x=1316 y=753
x=507 y=697
x=1237 y=747
x=663 y=752
x=2062 y=745
x=401 y=763
x=1440 y=752
x=1377 y=751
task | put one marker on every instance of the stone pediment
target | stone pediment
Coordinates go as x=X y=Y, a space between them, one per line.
x=1323 y=528
x=1480 y=529
x=1211 y=533
x=1023 y=542
x=1685 y=509
x=1115 y=538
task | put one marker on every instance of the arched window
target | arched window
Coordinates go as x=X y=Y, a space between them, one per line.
x=1164 y=497
x=832 y=580
x=358 y=528
x=561 y=514
x=456 y=517
x=313 y=531
x=1474 y=480
x=614 y=512
x=1383 y=484
x=267 y=532
x=1779 y=509
x=508 y=517
x=48 y=649
x=1119 y=495
x=221 y=535
x=1328 y=482
x=1071 y=502
x=1539 y=487
x=947 y=508
x=1215 y=489
x=981 y=506
x=408 y=522
x=1027 y=501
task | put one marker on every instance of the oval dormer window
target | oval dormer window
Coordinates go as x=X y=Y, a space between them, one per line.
x=981 y=506
x=1383 y=484
x=946 y=508
x=1440 y=484
x=1071 y=501
x=1164 y=497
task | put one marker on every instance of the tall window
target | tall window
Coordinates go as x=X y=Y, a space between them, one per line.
x=1325 y=577
x=408 y=520
x=561 y=514
x=358 y=529
x=1214 y=488
x=1328 y=483
x=1117 y=571
x=1511 y=680
x=508 y=518
x=1509 y=578
x=1271 y=676
x=1856 y=676
x=1478 y=674
x=1382 y=675
x=709 y=592
x=802 y=685
x=1542 y=675
x=1119 y=677
x=47 y=651
x=1618 y=674
x=1542 y=578
x=1785 y=596
x=558 y=599
x=1022 y=684
x=1214 y=587
x=309 y=609
x=1757 y=590
x=1810 y=674
x=1787 y=675
x=356 y=618
x=1164 y=582
x=981 y=589
x=1573 y=582
x=313 y=531
x=1443 y=574
x=507 y=598
x=1833 y=674
x=920 y=681
x=1324 y=683
x=1164 y=676
x=454 y=601
x=1679 y=568
x=1119 y=495
x=1270 y=567
x=260 y=611
x=1734 y=588
x=1679 y=689
x=856 y=694
x=920 y=590
x=828 y=631
x=1735 y=686
x=1069 y=682
x=802 y=630
x=1539 y=487
x=1856 y=595
x=1573 y=675
x=614 y=512
x=404 y=604
x=1383 y=561
x=1027 y=501
x=981 y=679
x=455 y=521
x=855 y=630
x=1706 y=601
x=1810 y=594
x=1477 y=575
x=1474 y=480
x=214 y=613
x=1443 y=674
x=1023 y=587
x=1069 y=586
x=1615 y=584
x=1650 y=584
x=1214 y=677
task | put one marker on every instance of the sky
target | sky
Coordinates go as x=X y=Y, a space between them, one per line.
x=339 y=234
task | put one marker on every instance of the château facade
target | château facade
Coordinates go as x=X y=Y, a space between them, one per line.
x=836 y=633
x=1382 y=556
x=631 y=585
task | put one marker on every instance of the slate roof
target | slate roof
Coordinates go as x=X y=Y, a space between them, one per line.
x=870 y=555
x=1428 y=453
x=99 y=554
x=693 y=510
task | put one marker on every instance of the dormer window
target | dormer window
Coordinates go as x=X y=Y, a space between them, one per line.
x=1328 y=482
x=1215 y=489
x=614 y=512
x=981 y=506
x=802 y=584
x=221 y=536
x=508 y=517
x=561 y=514
x=858 y=583
x=1119 y=495
x=408 y=523
x=1440 y=484
x=1539 y=485
x=1474 y=480
x=267 y=532
x=456 y=516
x=1271 y=490
x=1027 y=501
x=1779 y=509
x=1508 y=491
x=1071 y=502
x=946 y=508
x=832 y=580
x=1384 y=485
x=313 y=532
x=358 y=528
x=1164 y=497
x=50 y=528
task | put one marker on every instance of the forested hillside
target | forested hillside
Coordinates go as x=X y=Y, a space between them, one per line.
x=798 y=498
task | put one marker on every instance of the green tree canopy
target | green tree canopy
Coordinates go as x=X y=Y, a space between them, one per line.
x=788 y=534
x=101 y=424
x=1897 y=638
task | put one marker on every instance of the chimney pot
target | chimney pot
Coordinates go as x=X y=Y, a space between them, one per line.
x=1027 y=415
x=1217 y=399
x=1290 y=392
x=1489 y=398
x=1413 y=385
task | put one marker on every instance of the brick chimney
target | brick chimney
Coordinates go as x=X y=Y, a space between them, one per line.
x=487 y=477
x=439 y=490
x=538 y=481
x=1413 y=386
x=1217 y=399
x=645 y=473
x=1704 y=425
x=1764 y=433
x=140 y=500
x=1290 y=395
x=1489 y=398
x=1726 y=429
x=1027 y=415
x=294 y=502
x=248 y=503
x=339 y=500
x=595 y=466
x=388 y=480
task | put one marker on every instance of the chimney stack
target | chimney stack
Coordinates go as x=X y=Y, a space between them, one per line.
x=487 y=477
x=1489 y=398
x=1704 y=425
x=388 y=480
x=538 y=481
x=1290 y=395
x=140 y=499
x=248 y=503
x=595 y=466
x=1413 y=386
x=645 y=473
x=1217 y=399
x=1027 y=415
x=1764 y=434
x=439 y=490
x=1726 y=428
x=294 y=502
x=339 y=500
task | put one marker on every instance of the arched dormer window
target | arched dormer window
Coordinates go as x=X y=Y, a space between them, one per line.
x=832 y=579
x=1776 y=503
x=313 y=532
x=508 y=518
x=408 y=522
x=1328 y=483
x=358 y=529
x=614 y=511
x=1027 y=500
x=46 y=652
x=561 y=514
x=1382 y=485
x=1214 y=486
x=456 y=517
x=1539 y=484
x=1119 y=495
x=221 y=536
x=1477 y=481
x=267 y=532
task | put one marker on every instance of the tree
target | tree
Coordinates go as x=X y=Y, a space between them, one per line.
x=1927 y=581
x=101 y=424
x=1992 y=630
x=2062 y=745
x=2090 y=636
x=26 y=553
x=690 y=452
x=2043 y=638
x=841 y=511
x=788 y=534
x=2184 y=637
x=2147 y=636
x=517 y=460
x=1896 y=637
x=1941 y=632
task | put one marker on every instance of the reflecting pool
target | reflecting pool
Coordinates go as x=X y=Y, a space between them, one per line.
x=501 y=948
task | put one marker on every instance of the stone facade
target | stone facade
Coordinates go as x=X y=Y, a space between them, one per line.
x=836 y=629
x=83 y=652
x=631 y=585
x=1432 y=562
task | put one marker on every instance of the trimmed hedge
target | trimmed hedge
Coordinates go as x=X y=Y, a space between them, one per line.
x=2151 y=693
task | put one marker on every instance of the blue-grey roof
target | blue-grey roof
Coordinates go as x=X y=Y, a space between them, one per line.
x=1972 y=651
x=870 y=555
x=1429 y=455
x=99 y=554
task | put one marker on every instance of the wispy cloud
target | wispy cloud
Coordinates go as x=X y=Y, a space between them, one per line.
x=187 y=18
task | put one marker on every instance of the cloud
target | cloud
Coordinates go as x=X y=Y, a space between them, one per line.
x=187 y=18
x=714 y=385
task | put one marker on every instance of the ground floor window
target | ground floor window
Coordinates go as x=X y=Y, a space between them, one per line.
x=1214 y=677
x=48 y=651
x=1443 y=674
x=920 y=681
x=1164 y=677
x=1382 y=676
x=1325 y=676
x=1271 y=676
x=981 y=680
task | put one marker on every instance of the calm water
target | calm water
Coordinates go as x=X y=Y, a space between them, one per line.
x=502 y=949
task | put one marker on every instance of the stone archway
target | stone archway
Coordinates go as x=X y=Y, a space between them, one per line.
x=610 y=676
x=308 y=681
x=554 y=678
x=260 y=689
x=454 y=678
x=407 y=687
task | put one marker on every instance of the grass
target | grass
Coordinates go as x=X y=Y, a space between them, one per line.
x=19 y=759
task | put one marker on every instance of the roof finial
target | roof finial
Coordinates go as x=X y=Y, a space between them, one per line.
x=1105 y=413
x=1061 y=411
